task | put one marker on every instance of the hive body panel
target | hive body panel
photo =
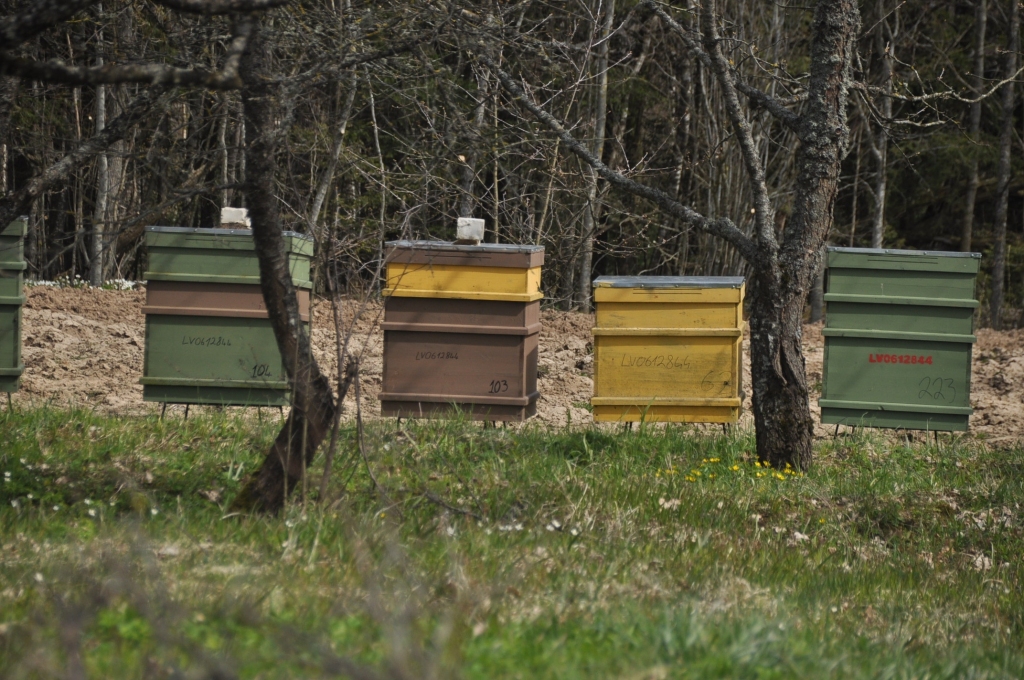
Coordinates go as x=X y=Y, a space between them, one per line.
x=12 y=274
x=898 y=339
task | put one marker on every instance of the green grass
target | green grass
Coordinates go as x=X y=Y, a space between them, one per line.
x=657 y=553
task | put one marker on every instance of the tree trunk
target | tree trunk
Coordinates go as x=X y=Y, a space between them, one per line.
x=313 y=405
x=99 y=216
x=1003 y=179
x=881 y=149
x=818 y=296
x=781 y=403
x=469 y=164
x=600 y=118
x=978 y=82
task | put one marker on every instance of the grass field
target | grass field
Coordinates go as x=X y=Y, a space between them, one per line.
x=483 y=553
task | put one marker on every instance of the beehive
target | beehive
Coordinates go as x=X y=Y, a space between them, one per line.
x=12 y=272
x=208 y=335
x=668 y=349
x=461 y=326
x=899 y=332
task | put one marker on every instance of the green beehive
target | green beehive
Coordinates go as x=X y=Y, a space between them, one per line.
x=899 y=331
x=12 y=273
x=208 y=336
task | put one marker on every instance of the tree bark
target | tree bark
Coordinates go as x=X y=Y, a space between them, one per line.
x=313 y=404
x=1003 y=176
x=817 y=296
x=981 y=18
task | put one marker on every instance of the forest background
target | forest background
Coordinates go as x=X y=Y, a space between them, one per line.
x=399 y=146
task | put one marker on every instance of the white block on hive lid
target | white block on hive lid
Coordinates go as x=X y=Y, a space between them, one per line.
x=469 y=229
x=235 y=216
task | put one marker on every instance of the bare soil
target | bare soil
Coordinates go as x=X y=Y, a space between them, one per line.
x=85 y=347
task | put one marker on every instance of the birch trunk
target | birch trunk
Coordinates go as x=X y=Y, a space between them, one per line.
x=99 y=215
x=1003 y=177
x=600 y=119
x=978 y=82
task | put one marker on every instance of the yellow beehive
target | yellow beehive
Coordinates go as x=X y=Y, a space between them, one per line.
x=668 y=349
x=489 y=271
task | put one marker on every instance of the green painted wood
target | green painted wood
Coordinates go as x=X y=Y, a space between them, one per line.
x=904 y=420
x=899 y=332
x=886 y=318
x=11 y=367
x=212 y=360
x=12 y=266
x=12 y=245
x=222 y=396
x=896 y=335
x=12 y=286
x=218 y=256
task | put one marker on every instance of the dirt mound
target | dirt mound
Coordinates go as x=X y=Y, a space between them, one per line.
x=85 y=346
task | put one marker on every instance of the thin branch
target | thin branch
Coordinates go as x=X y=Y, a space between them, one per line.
x=37 y=19
x=215 y=7
x=721 y=227
x=772 y=104
x=751 y=159
x=55 y=71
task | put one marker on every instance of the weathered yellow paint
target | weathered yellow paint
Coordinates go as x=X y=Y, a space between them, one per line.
x=668 y=354
x=663 y=295
x=666 y=414
x=668 y=314
x=463 y=282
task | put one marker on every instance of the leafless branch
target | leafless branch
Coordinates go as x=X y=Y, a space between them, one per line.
x=751 y=159
x=772 y=104
x=37 y=18
x=215 y=7
x=55 y=71
x=721 y=227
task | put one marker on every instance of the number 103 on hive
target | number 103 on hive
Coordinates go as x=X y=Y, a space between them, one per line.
x=668 y=349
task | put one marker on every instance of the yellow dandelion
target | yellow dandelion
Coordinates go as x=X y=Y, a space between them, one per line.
x=735 y=468
x=821 y=521
x=711 y=476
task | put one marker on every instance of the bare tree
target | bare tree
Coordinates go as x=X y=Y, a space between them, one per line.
x=781 y=272
x=268 y=103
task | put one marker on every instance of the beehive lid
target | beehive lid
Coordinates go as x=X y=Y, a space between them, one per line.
x=669 y=282
x=17 y=228
x=482 y=255
x=913 y=260
x=226 y=239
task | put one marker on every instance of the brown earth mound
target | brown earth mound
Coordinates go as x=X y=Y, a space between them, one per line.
x=84 y=347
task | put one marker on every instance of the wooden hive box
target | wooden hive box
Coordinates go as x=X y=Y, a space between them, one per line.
x=899 y=333
x=208 y=335
x=668 y=349
x=461 y=329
